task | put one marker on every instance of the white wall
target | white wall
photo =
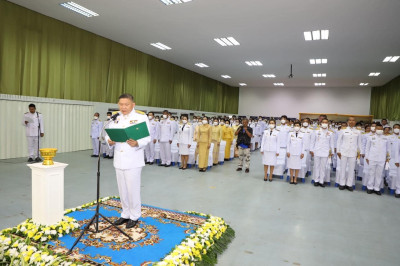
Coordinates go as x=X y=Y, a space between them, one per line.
x=292 y=101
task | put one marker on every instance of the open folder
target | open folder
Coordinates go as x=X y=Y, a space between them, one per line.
x=134 y=132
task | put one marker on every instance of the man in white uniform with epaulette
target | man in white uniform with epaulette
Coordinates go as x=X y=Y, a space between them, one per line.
x=129 y=161
x=166 y=130
x=33 y=123
x=307 y=131
x=95 y=133
x=284 y=130
x=149 y=151
x=348 y=148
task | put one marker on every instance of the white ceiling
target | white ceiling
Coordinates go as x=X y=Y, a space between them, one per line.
x=362 y=34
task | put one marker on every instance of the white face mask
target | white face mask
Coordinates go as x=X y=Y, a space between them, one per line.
x=205 y=122
x=227 y=125
x=194 y=120
x=150 y=117
x=396 y=130
x=379 y=132
x=260 y=120
x=271 y=126
x=164 y=116
x=324 y=125
x=359 y=128
x=373 y=129
x=283 y=121
x=296 y=128
x=108 y=117
x=305 y=124
x=215 y=123
x=95 y=117
x=157 y=120
x=291 y=125
x=236 y=123
x=184 y=121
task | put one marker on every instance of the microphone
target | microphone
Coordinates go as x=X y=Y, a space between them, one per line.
x=114 y=116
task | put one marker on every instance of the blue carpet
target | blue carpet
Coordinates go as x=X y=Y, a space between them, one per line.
x=158 y=232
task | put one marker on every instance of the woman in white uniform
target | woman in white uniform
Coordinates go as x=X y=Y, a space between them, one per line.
x=185 y=138
x=270 y=149
x=295 y=152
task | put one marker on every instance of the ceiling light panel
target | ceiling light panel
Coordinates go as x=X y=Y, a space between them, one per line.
x=227 y=41
x=242 y=84
x=364 y=84
x=279 y=84
x=390 y=59
x=269 y=76
x=319 y=84
x=202 y=65
x=79 y=9
x=318 y=61
x=171 y=2
x=160 y=46
x=319 y=75
x=316 y=35
x=374 y=74
x=253 y=63
x=226 y=76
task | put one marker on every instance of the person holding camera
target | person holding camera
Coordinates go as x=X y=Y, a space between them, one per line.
x=244 y=133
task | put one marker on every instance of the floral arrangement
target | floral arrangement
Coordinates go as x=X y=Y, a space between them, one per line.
x=203 y=246
x=21 y=245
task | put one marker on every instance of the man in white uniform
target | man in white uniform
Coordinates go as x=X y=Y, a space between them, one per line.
x=149 y=151
x=95 y=132
x=33 y=123
x=109 y=151
x=166 y=130
x=307 y=132
x=284 y=130
x=348 y=148
x=129 y=161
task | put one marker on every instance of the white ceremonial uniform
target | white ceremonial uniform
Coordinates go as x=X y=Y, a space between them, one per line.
x=295 y=146
x=270 y=146
x=257 y=133
x=349 y=145
x=307 y=132
x=149 y=150
x=394 y=142
x=253 y=139
x=322 y=146
x=32 y=130
x=166 y=129
x=364 y=139
x=376 y=151
x=95 y=133
x=109 y=151
x=185 y=138
x=128 y=163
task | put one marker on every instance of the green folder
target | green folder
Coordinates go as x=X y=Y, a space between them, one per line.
x=134 y=132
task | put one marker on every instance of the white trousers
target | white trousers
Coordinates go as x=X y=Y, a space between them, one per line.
x=165 y=153
x=129 y=191
x=348 y=179
x=149 y=152
x=397 y=181
x=319 y=169
x=33 y=147
x=95 y=146
x=375 y=175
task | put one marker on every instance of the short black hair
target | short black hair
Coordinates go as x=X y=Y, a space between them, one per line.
x=396 y=125
x=127 y=96
x=151 y=112
x=184 y=115
x=109 y=113
x=32 y=105
x=379 y=124
x=297 y=122
x=323 y=116
x=384 y=119
x=284 y=116
x=165 y=111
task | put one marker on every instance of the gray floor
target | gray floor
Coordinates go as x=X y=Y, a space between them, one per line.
x=275 y=223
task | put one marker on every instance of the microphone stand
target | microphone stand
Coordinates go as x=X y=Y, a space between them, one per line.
x=96 y=216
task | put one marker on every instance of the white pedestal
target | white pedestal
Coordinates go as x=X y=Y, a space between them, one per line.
x=47 y=192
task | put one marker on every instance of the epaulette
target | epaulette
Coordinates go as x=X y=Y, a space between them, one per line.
x=140 y=112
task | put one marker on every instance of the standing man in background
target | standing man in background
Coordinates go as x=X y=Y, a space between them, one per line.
x=109 y=151
x=33 y=123
x=149 y=151
x=95 y=132
x=129 y=161
x=166 y=130
x=244 y=134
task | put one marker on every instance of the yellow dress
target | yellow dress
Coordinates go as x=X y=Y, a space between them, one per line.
x=227 y=135
x=215 y=138
x=203 y=141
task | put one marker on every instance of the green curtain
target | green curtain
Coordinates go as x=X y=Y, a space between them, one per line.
x=385 y=100
x=44 y=57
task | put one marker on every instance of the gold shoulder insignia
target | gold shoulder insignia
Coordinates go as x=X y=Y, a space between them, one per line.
x=139 y=112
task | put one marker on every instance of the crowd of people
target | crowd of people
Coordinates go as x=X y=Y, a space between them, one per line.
x=354 y=150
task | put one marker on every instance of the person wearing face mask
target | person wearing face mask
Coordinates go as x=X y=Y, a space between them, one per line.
x=95 y=132
x=270 y=148
x=369 y=131
x=307 y=132
x=385 y=123
x=348 y=148
x=185 y=139
x=394 y=141
x=377 y=152
x=106 y=149
x=203 y=142
x=165 y=131
x=295 y=152
x=227 y=135
x=244 y=134
x=216 y=137
x=149 y=150
x=321 y=147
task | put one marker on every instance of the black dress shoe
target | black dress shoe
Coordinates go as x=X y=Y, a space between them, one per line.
x=295 y=183
x=291 y=182
x=167 y=165
x=106 y=157
x=322 y=185
x=162 y=165
x=181 y=168
x=316 y=184
x=110 y=157
x=247 y=170
x=239 y=169
x=131 y=224
x=397 y=195
x=151 y=163
x=146 y=162
x=94 y=155
x=121 y=221
x=378 y=193
x=350 y=188
x=30 y=160
x=369 y=191
x=214 y=164
x=38 y=159
x=341 y=187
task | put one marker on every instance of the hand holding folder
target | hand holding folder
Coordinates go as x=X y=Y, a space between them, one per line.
x=134 y=132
